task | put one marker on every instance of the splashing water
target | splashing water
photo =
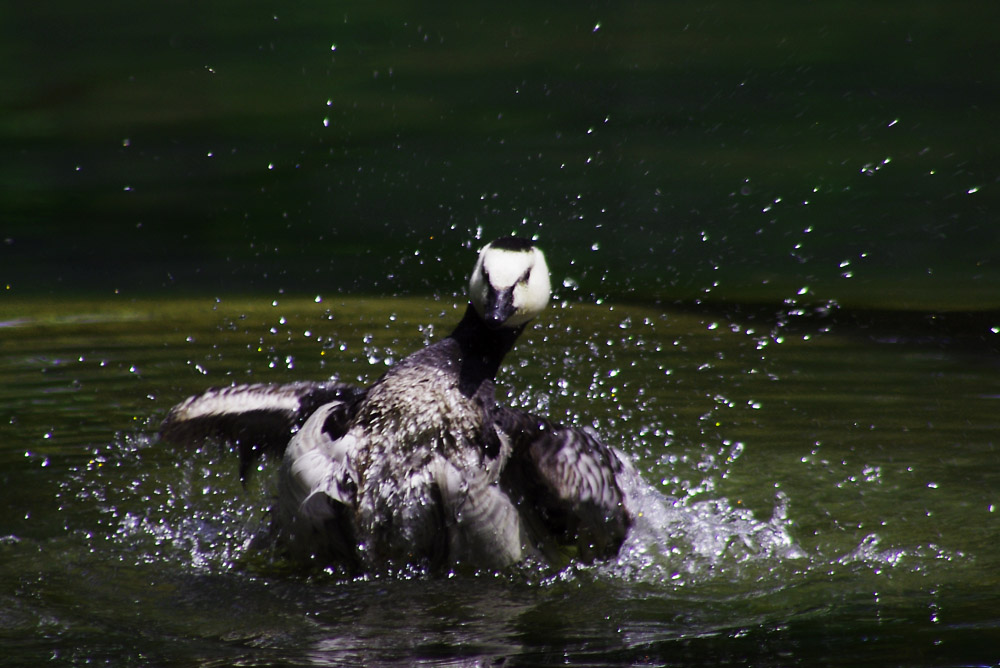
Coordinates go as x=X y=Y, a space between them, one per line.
x=793 y=482
x=189 y=509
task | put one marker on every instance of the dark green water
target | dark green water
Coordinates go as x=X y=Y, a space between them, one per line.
x=835 y=498
x=728 y=150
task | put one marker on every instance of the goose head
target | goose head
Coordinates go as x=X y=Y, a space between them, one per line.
x=510 y=283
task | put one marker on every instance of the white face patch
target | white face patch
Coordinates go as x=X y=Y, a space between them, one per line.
x=502 y=269
x=506 y=268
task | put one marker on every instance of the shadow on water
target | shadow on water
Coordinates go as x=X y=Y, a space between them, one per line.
x=969 y=331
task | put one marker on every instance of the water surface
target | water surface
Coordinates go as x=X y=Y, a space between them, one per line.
x=817 y=495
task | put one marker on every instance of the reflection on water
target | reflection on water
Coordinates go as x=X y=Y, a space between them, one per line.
x=809 y=492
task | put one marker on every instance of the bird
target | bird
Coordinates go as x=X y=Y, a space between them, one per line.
x=424 y=468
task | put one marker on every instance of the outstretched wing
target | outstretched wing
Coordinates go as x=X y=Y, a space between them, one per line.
x=317 y=491
x=256 y=418
x=570 y=486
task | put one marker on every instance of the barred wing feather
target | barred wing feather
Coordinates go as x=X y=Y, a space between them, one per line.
x=569 y=484
x=256 y=418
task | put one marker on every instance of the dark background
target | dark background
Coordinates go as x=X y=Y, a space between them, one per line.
x=830 y=152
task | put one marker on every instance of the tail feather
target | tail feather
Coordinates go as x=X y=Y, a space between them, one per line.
x=256 y=418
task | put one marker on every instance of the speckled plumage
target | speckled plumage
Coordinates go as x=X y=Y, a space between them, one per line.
x=423 y=468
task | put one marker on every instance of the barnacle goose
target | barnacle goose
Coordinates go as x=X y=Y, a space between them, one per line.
x=423 y=468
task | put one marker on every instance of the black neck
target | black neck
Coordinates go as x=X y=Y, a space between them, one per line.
x=483 y=349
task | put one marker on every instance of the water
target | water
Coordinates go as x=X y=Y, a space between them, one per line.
x=725 y=149
x=753 y=193
x=818 y=493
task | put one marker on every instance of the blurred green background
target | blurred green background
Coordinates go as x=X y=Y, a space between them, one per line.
x=838 y=152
